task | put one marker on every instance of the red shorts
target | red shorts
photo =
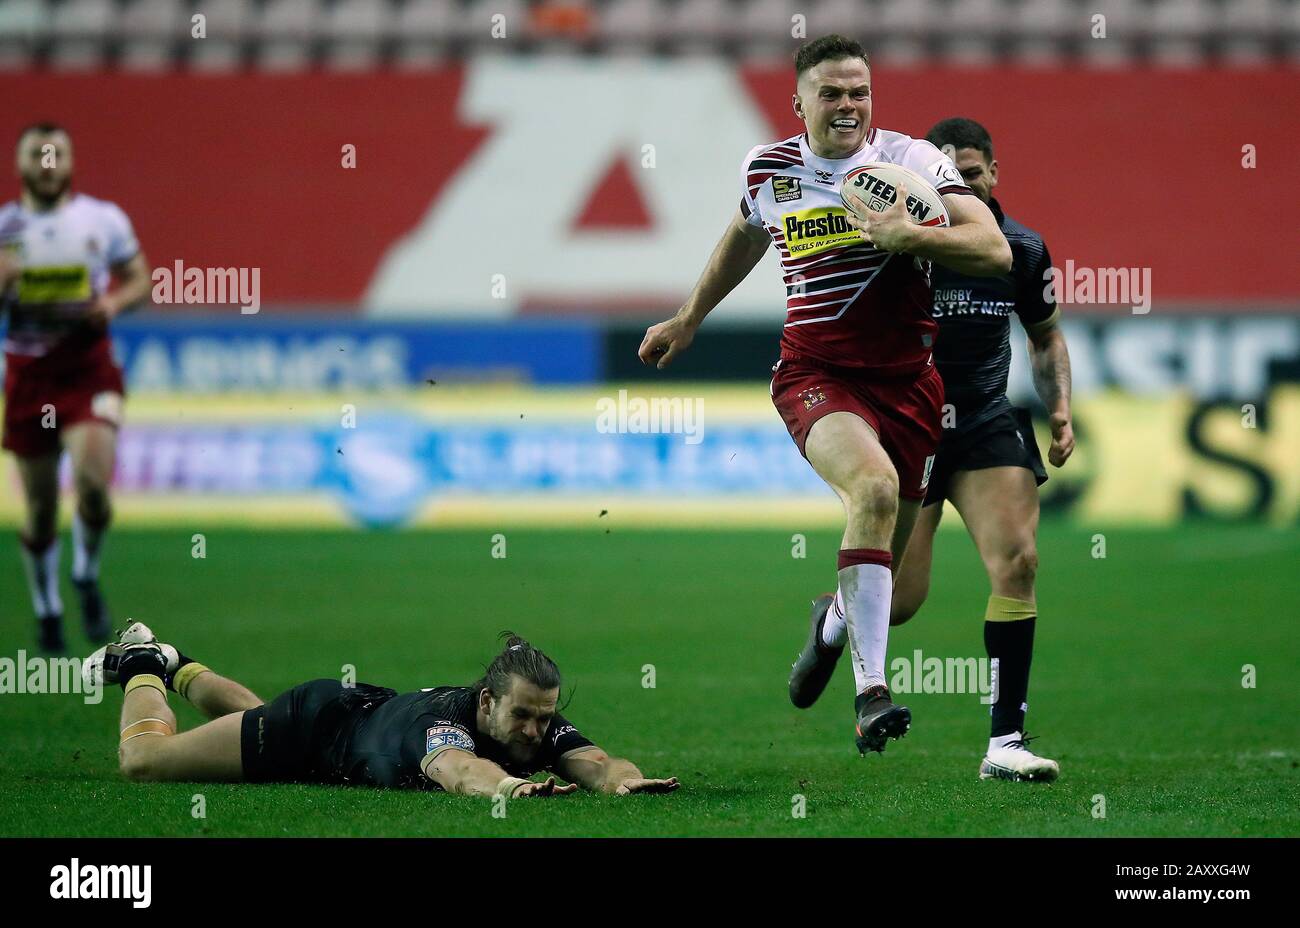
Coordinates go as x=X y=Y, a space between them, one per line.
x=906 y=412
x=91 y=391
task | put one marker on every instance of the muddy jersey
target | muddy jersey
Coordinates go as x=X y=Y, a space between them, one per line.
x=847 y=302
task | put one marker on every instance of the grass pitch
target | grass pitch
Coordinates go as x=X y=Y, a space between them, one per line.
x=1136 y=690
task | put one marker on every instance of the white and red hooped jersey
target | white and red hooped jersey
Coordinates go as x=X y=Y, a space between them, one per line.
x=847 y=303
x=66 y=255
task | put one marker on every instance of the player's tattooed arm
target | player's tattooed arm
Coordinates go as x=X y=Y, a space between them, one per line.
x=739 y=250
x=1049 y=359
x=595 y=770
x=134 y=282
x=458 y=771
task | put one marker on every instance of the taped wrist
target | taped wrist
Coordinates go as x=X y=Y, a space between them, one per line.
x=509 y=785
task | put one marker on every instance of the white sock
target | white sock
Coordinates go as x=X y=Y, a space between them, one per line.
x=85 y=549
x=1002 y=741
x=867 y=589
x=834 y=631
x=42 y=570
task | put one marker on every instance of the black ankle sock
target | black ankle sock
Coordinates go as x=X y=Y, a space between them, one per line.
x=876 y=692
x=1011 y=644
x=137 y=662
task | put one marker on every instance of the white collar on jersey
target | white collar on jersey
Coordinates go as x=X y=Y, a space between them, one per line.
x=809 y=156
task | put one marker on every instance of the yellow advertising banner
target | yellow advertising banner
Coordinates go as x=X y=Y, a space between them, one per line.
x=702 y=457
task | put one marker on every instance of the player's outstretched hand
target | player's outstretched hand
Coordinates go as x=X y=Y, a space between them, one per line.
x=892 y=230
x=1062 y=439
x=628 y=787
x=665 y=341
x=547 y=787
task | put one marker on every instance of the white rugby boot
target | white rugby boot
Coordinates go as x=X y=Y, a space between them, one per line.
x=1014 y=761
x=101 y=667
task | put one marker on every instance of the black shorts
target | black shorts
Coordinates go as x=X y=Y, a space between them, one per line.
x=301 y=735
x=1006 y=440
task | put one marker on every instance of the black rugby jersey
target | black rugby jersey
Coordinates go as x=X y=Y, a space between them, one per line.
x=973 y=350
x=387 y=743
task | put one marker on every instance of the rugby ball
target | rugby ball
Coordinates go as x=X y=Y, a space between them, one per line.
x=876 y=185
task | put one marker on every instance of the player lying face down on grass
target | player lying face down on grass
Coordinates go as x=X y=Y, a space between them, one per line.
x=482 y=740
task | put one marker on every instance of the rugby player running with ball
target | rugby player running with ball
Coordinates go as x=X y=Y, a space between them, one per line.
x=988 y=463
x=856 y=382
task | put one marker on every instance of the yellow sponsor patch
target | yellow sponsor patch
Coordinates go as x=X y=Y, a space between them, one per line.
x=69 y=283
x=810 y=231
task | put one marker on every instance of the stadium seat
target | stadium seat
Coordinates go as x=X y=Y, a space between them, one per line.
x=1291 y=33
x=984 y=18
x=972 y=27
x=1177 y=29
x=355 y=29
x=286 y=29
x=768 y=20
x=229 y=24
x=81 y=30
x=27 y=19
x=369 y=20
x=916 y=19
x=290 y=19
x=151 y=33
x=1125 y=26
x=475 y=23
x=1182 y=19
x=847 y=17
x=699 y=25
x=424 y=31
x=766 y=26
x=24 y=24
x=1248 y=29
x=157 y=19
x=1047 y=20
x=1258 y=19
x=85 y=19
x=230 y=20
x=1126 y=20
x=631 y=24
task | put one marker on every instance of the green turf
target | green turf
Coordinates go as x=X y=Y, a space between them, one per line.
x=1136 y=689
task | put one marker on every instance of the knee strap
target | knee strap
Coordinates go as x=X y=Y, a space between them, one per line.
x=145 y=727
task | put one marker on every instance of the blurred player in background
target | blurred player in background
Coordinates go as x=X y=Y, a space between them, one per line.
x=856 y=383
x=988 y=462
x=59 y=251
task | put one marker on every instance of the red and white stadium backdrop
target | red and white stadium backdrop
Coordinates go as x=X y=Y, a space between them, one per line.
x=602 y=186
